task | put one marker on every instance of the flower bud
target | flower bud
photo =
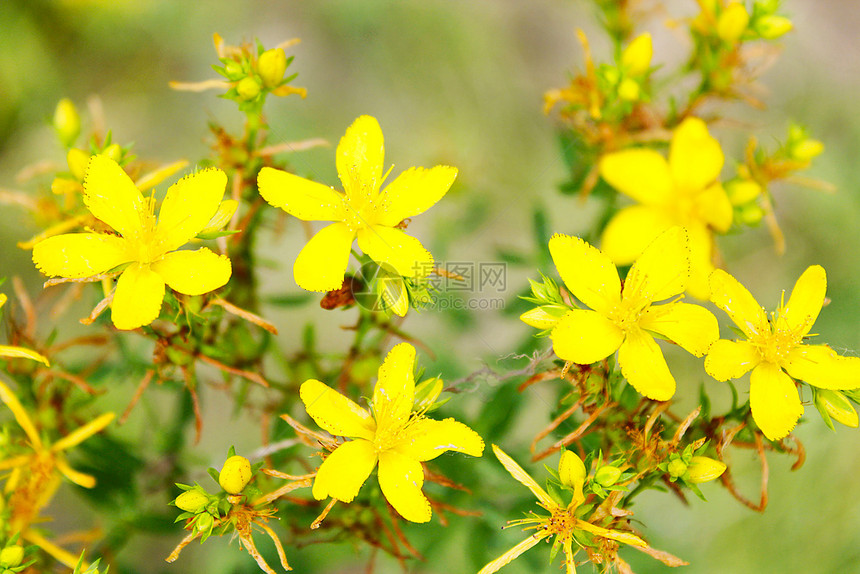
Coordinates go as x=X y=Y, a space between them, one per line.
x=636 y=58
x=807 y=149
x=677 y=468
x=772 y=27
x=392 y=292
x=607 y=475
x=235 y=474
x=571 y=470
x=751 y=214
x=543 y=317
x=703 y=469
x=222 y=217
x=741 y=191
x=204 y=522
x=271 y=66
x=837 y=406
x=248 y=88
x=114 y=152
x=77 y=160
x=732 y=22
x=67 y=122
x=628 y=90
x=11 y=556
x=193 y=501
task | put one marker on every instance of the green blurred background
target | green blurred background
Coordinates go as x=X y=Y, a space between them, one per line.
x=461 y=83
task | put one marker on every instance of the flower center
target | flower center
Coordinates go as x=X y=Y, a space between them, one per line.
x=626 y=314
x=774 y=346
x=388 y=436
x=357 y=212
x=562 y=520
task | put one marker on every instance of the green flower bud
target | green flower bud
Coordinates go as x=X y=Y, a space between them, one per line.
x=204 y=522
x=628 y=90
x=11 y=556
x=837 y=407
x=607 y=475
x=807 y=149
x=271 y=66
x=235 y=474
x=741 y=191
x=248 y=88
x=732 y=22
x=543 y=317
x=751 y=214
x=77 y=160
x=113 y=151
x=677 y=468
x=67 y=122
x=772 y=27
x=192 y=501
x=571 y=470
x=703 y=469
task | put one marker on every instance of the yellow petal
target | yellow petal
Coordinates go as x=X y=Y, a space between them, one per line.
x=344 y=471
x=360 y=155
x=22 y=353
x=586 y=271
x=20 y=414
x=81 y=479
x=188 y=206
x=695 y=158
x=733 y=298
x=390 y=246
x=821 y=367
x=662 y=270
x=632 y=230
x=137 y=298
x=394 y=392
x=81 y=434
x=641 y=174
x=428 y=438
x=194 y=272
x=701 y=261
x=401 y=479
x=714 y=208
x=692 y=327
x=644 y=367
x=78 y=255
x=414 y=191
x=524 y=478
x=513 y=553
x=112 y=197
x=625 y=537
x=585 y=337
x=322 y=263
x=300 y=197
x=334 y=412
x=731 y=359
x=774 y=402
x=806 y=300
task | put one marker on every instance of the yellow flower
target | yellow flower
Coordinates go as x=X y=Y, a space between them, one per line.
x=636 y=57
x=621 y=320
x=34 y=478
x=390 y=433
x=683 y=191
x=562 y=522
x=147 y=246
x=775 y=347
x=363 y=211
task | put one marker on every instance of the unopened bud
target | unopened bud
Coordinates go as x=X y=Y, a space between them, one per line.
x=235 y=474
x=677 y=468
x=67 y=122
x=392 y=292
x=837 y=406
x=741 y=191
x=807 y=149
x=77 y=160
x=636 y=58
x=271 y=66
x=607 y=475
x=248 y=88
x=543 y=317
x=628 y=90
x=772 y=27
x=114 y=152
x=751 y=214
x=571 y=470
x=192 y=501
x=204 y=522
x=732 y=22
x=11 y=556
x=703 y=469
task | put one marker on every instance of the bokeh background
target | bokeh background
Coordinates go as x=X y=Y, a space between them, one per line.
x=461 y=83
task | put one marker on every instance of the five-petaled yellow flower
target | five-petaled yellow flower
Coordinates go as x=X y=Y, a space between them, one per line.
x=683 y=191
x=363 y=211
x=147 y=246
x=390 y=433
x=774 y=347
x=622 y=319
x=561 y=524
